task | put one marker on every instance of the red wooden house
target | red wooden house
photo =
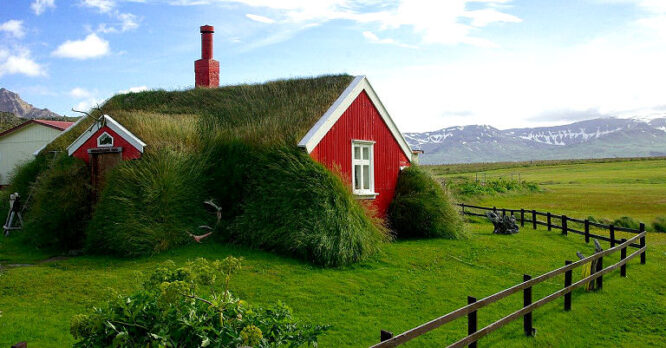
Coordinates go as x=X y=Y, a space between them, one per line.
x=355 y=136
x=358 y=137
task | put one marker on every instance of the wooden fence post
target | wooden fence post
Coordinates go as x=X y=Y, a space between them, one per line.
x=587 y=231
x=534 y=219
x=548 y=217
x=471 y=321
x=494 y=209
x=565 y=229
x=527 y=300
x=463 y=208
x=623 y=255
x=600 y=266
x=522 y=217
x=503 y=212
x=385 y=335
x=612 y=235
x=567 y=282
x=642 y=229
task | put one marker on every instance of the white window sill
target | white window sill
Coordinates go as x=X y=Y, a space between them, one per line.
x=365 y=195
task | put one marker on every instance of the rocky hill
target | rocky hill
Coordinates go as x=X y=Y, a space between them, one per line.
x=12 y=103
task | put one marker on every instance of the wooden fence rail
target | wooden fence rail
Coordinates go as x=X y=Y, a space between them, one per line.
x=470 y=310
x=530 y=216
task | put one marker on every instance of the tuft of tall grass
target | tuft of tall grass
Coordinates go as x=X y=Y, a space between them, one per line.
x=421 y=208
x=60 y=206
x=659 y=224
x=295 y=206
x=149 y=205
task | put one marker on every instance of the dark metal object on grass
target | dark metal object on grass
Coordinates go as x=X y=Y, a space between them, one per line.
x=503 y=224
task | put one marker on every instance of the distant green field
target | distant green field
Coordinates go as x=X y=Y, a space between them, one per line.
x=602 y=189
x=410 y=283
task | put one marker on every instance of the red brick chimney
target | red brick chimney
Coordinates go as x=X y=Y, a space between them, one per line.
x=206 y=69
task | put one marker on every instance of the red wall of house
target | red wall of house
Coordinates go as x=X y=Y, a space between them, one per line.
x=129 y=151
x=362 y=121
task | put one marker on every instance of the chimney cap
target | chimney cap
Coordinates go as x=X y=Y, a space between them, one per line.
x=207 y=29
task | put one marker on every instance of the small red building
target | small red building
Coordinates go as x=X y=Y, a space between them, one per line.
x=103 y=145
x=358 y=138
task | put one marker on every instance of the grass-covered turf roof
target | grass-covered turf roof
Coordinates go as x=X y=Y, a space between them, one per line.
x=273 y=113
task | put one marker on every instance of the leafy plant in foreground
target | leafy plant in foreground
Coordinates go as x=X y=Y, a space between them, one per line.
x=171 y=311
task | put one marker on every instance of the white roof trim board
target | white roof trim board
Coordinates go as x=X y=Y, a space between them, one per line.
x=115 y=126
x=333 y=114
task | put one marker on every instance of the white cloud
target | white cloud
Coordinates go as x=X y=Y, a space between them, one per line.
x=436 y=22
x=136 y=89
x=260 y=19
x=13 y=27
x=80 y=93
x=39 y=6
x=88 y=104
x=18 y=61
x=125 y=22
x=101 y=5
x=91 y=47
x=370 y=36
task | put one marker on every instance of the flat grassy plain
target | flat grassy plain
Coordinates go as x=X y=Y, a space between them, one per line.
x=409 y=283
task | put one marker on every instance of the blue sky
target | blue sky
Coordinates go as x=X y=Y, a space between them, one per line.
x=434 y=63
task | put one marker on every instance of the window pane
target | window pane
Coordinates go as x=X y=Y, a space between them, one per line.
x=366 y=177
x=366 y=153
x=357 y=152
x=357 y=177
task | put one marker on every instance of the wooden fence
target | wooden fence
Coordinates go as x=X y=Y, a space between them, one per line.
x=473 y=305
x=551 y=222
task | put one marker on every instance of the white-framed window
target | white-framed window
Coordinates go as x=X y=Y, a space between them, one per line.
x=105 y=140
x=363 y=168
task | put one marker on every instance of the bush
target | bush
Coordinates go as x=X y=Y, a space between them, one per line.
x=297 y=207
x=659 y=224
x=60 y=205
x=420 y=208
x=627 y=222
x=466 y=187
x=171 y=312
x=149 y=205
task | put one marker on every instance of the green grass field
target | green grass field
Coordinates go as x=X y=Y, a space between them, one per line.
x=410 y=283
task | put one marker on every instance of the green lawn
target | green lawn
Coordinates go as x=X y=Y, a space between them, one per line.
x=410 y=283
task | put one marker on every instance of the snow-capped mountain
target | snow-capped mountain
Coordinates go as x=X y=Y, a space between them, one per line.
x=603 y=137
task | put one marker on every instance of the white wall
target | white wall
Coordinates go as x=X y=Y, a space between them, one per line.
x=18 y=147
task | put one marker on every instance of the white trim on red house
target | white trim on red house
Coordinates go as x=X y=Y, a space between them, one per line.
x=115 y=126
x=333 y=114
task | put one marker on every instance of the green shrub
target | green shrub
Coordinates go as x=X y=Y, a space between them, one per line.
x=170 y=311
x=465 y=187
x=420 y=208
x=149 y=205
x=627 y=222
x=297 y=207
x=60 y=205
x=659 y=224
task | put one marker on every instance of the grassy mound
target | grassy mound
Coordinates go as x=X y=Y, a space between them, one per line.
x=297 y=207
x=149 y=206
x=236 y=145
x=60 y=205
x=420 y=208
